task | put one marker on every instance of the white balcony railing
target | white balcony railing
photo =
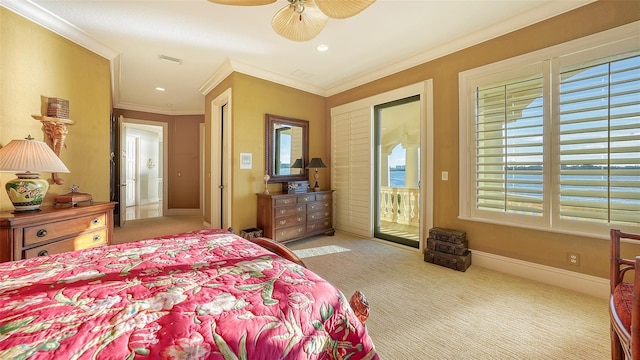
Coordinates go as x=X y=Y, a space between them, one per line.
x=400 y=205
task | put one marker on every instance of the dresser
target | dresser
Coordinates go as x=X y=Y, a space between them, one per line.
x=55 y=230
x=288 y=217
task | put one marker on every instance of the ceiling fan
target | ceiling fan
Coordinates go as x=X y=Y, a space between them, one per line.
x=302 y=20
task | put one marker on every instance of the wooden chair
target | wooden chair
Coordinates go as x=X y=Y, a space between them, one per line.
x=624 y=302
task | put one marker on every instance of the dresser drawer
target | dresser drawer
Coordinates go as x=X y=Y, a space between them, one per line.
x=290 y=210
x=323 y=197
x=318 y=215
x=306 y=198
x=291 y=220
x=285 y=201
x=84 y=241
x=45 y=232
x=318 y=225
x=290 y=232
x=318 y=206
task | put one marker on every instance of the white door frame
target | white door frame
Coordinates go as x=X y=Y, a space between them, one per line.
x=165 y=157
x=217 y=156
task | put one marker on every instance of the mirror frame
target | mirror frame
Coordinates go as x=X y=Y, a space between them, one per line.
x=270 y=121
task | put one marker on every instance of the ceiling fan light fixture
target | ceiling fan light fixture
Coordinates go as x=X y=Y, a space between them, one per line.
x=288 y=23
x=302 y=20
x=243 y=2
x=342 y=9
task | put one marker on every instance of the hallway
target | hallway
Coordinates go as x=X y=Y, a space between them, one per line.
x=146 y=211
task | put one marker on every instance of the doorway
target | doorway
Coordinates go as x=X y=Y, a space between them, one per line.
x=221 y=160
x=144 y=158
x=397 y=171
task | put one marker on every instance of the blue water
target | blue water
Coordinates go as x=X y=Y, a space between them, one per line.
x=535 y=185
x=396 y=178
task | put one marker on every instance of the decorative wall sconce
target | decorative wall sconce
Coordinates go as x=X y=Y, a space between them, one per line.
x=150 y=164
x=55 y=127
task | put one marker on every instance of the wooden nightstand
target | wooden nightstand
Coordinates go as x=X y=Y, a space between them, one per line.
x=54 y=230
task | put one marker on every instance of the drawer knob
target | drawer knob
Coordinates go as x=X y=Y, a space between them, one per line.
x=43 y=253
x=41 y=233
x=96 y=237
x=95 y=221
x=282 y=222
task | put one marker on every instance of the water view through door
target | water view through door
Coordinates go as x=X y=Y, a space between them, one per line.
x=397 y=169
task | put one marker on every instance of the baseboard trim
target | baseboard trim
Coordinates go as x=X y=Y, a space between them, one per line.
x=586 y=284
x=178 y=212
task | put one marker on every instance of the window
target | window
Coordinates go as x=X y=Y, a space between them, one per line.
x=551 y=139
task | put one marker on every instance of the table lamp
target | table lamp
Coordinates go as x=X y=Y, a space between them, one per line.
x=296 y=165
x=316 y=163
x=28 y=157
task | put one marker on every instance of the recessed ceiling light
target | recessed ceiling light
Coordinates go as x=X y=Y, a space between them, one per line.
x=322 y=47
x=160 y=89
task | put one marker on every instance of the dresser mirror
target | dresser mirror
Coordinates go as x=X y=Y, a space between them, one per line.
x=286 y=149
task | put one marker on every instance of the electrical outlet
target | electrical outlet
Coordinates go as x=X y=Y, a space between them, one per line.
x=573 y=259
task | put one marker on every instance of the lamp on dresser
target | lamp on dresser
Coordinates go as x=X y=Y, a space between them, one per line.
x=316 y=163
x=28 y=157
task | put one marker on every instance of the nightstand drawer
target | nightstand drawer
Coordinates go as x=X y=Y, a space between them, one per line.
x=45 y=232
x=84 y=241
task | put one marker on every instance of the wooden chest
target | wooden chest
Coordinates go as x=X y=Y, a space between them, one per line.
x=448 y=235
x=456 y=262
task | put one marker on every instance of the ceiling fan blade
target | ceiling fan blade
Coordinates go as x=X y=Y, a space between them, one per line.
x=243 y=2
x=342 y=9
x=295 y=26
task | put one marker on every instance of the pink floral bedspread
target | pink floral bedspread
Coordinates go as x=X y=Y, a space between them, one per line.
x=200 y=295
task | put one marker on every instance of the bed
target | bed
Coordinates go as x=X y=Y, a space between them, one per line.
x=207 y=294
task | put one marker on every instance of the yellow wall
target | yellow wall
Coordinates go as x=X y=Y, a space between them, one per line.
x=535 y=246
x=252 y=98
x=35 y=62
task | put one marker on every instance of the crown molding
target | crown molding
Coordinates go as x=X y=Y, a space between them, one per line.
x=231 y=65
x=49 y=21
x=549 y=10
x=39 y=15
x=156 y=110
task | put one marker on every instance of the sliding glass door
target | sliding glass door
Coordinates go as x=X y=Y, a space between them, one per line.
x=397 y=171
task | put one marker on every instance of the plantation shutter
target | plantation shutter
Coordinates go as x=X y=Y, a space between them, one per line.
x=599 y=117
x=351 y=160
x=509 y=146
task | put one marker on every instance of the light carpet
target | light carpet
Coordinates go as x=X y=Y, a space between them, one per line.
x=424 y=311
